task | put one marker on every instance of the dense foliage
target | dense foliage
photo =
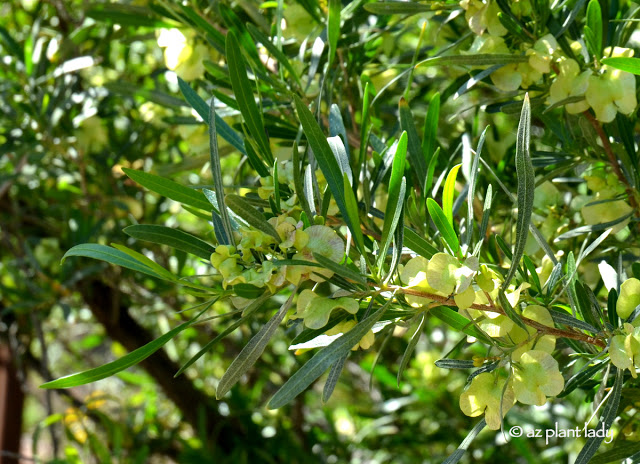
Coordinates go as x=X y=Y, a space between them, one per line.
x=436 y=203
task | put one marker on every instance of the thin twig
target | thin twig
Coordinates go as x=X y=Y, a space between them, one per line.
x=446 y=301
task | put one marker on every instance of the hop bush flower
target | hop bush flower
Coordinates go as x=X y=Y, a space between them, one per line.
x=629 y=298
x=487 y=395
x=535 y=377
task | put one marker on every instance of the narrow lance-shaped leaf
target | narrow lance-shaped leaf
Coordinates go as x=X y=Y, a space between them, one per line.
x=252 y=351
x=444 y=227
x=526 y=188
x=128 y=360
x=216 y=173
x=325 y=158
x=323 y=359
x=418 y=244
x=395 y=7
x=609 y=414
x=244 y=96
x=201 y=107
x=333 y=26
x=112 y=256
x=448 y=191
x=509 y=311
x=155 y=267
x=364 y=130
x=473 y=182
x=594 y=25
x=169 y=189
x=457 y=454
x=174 y=238
x=351 y=205
x=431 y=129
x=332 y=380
x=406 y=357
x=271 y=48
x=253 y=217
x=247 y=314
x=414 y=149
x=395 y=201
x=630 y=65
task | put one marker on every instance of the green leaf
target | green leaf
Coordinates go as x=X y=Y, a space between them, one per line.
x=271 y=48
x=127 y=15
x=244 y=96
x=213 y=36
x=432 y=167
x=351 y=205
x=238 y=26
x=486 y=209
x=252 y=351
x=473 y=433
x=389 y=8
x=622 y=451
x=448 y=191
x=588 y=371
x=253 y=217
x=594 y=24
x=458 y=322
x=340 y=269
x=332 y=380
x=364 y=130
x=526 y=189
x=473 y=60
x=246 y=315
x=169 y=189
x=473 y=182
x=418 y=244
x=333 y=27
x=174 y=238
x=128 y=360
x=155 y=267
x=325 y=158
x=455 y=363
x=216 y=174
x=416 y=156
x=532 y=271
x=203 y=110
x=592 y=228
x=112 y=256
x=395 y=202
x=444 y=226
x=630 y=65
x=509 y=311
x=406 y=357
x=429 y=140
x=323 y=359
x=609 y=414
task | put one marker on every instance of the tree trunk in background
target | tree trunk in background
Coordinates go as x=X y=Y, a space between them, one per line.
x=226 y=432
x=11 y=406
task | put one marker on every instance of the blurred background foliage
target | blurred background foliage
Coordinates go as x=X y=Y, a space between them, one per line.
x=87 y=90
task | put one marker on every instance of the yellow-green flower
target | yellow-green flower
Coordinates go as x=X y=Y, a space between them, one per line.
x=624 y=350
x=316 y=310
x=225 y=259
x=414 y=275
x=570 y=82
x=535 y=377
x=629 y=297
x=484 y=396
x=546 y=343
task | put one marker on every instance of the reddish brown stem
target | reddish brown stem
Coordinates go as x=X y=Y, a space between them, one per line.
x=613 y=160
x=446 y=301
